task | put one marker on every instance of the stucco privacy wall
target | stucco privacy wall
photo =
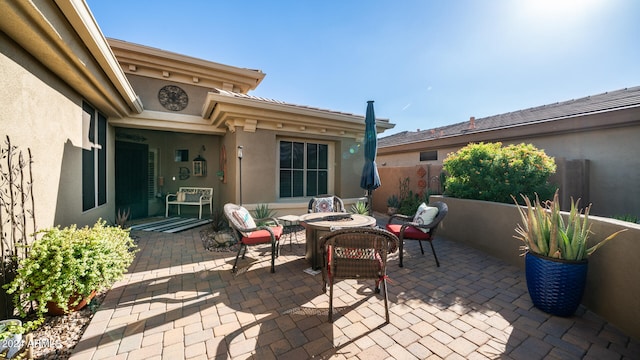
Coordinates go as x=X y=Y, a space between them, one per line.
x=40 y=112
x=613 y=289
x=614 y=174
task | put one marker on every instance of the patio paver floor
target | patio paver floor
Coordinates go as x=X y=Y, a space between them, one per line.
x=180 y=301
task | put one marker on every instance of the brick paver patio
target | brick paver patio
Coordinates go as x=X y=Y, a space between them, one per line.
x=180 y=301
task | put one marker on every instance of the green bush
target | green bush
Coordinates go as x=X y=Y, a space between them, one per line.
x=409 y=206
x=71 y=261
x=491 y=172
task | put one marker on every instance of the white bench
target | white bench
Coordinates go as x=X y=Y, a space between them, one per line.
x=194 y=196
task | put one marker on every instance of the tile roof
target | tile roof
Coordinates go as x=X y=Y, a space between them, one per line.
x=273 y=101
x=608 y=101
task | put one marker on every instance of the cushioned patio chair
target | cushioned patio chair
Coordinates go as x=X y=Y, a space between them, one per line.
x=422 y=226
x=357 y=253
x=248 y=233
x=326 y=203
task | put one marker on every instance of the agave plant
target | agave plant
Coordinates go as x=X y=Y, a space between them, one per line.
x=263 y=214
x=544 y=231
x=360 y=207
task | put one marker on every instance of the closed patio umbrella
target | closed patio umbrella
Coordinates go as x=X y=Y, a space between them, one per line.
x=370 y=180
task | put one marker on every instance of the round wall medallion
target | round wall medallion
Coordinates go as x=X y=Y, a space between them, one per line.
x=173 y=98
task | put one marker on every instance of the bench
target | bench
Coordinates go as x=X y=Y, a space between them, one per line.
x=194 y=196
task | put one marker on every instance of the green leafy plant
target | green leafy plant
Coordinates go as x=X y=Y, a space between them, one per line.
x=492 y=172
x=71 y=262
x=409 y=206
x=360 y=207
x=393 y=201
x=15 y=327
x=544 y=231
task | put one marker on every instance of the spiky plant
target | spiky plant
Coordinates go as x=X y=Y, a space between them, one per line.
x=543 y=229
x=360 y=207
x=262 y=211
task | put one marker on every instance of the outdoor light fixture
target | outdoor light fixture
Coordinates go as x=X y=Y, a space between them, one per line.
x=240 y=177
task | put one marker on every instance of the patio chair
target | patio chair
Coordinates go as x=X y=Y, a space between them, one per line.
x=326 y=203
x=247 y=233
x=422 y=226
x=357 y=253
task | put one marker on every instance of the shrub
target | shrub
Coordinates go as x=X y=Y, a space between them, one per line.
x=409 y=206
x=491 y=172
x=71 y=261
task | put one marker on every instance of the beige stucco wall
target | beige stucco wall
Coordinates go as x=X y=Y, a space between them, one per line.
x=612 y=154
x=260 y=166
x=613 y=289
x=40 y=112
x=614 y=172
x=147 y=89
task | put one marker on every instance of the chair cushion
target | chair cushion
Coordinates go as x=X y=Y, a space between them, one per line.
x=262 y=236
x=192 y=197
x=409 y=233
x=180 y=196
x=243 y=220
x=425 y=215
x=323 y=204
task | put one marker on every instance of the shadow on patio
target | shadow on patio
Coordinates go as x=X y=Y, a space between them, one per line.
x=181 y=301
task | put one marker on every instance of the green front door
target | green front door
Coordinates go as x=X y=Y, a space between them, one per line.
x=132 y=179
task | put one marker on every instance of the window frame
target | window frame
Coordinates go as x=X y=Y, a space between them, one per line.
x=428 y=155
x=330 y=162
x=94 y=158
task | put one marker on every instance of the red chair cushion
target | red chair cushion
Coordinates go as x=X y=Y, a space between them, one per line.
x=262 y=236
x=409 y=233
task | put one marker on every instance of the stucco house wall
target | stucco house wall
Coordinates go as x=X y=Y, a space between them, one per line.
x=41 y=112
x=605 y=139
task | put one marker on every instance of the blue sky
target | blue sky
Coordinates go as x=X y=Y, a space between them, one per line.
x=424 y=63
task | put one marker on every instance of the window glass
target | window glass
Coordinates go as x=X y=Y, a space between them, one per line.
x=303 y=169
x=94 y=158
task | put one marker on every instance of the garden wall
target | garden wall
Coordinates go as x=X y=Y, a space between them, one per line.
x=613 y=282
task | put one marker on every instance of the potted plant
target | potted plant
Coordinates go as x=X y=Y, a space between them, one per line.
x=556 y=253
x=65 y=266
x=11 y=332
x=392 y=204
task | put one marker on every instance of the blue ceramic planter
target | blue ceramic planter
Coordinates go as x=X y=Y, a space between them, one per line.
x=556 y=286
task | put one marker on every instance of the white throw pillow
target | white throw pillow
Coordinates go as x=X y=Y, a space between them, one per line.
x=425 y=215
x=243 y=220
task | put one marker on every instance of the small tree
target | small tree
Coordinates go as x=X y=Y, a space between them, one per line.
x=491 y=172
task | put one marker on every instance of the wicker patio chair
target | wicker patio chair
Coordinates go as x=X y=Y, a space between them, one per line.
x=247 y=233
x=417 y=228
x=357 y=253
x=326 y=203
